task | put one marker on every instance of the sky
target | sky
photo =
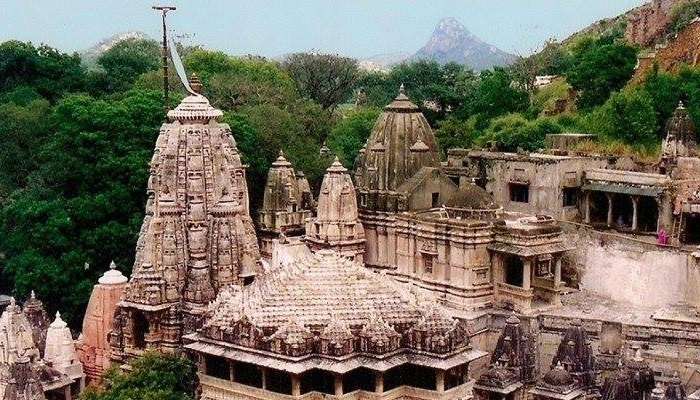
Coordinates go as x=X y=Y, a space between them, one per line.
x=357 y=28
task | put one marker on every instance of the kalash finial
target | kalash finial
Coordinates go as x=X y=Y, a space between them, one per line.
x=402 y=89
x=32 y=295
x=112 y=265
x=195 y=83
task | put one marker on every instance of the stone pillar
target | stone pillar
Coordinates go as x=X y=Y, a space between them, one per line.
x=202 y=364
x=587 y=207
x=296 y=385
x=66 y=393
x=338 y=384
x=557 y=272
x=263 y=372
x=231 y=371
x=379 y=382
x=610 y=209
x=635 y=207
x=440 y=380
x=527 y=273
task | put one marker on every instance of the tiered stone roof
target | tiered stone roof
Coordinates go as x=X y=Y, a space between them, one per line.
x=576 y=354
x=517 y=347
x=322 y=303
x=680 y=138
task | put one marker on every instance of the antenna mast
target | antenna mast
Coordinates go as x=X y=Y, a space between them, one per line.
x=164 y=11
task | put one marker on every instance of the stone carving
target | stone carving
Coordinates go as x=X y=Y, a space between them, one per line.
x=197 y=236
x=336 y=225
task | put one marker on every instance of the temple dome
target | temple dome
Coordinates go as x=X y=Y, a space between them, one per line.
x=113 y=276
x=558 y=377
x=400 y=144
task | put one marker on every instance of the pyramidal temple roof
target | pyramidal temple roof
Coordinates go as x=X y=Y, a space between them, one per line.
x=314 y=288
x=400 y=144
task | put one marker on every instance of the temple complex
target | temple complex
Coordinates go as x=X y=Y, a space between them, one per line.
x=493 y=275
x=287 y=204
x=30 y=372
x=197 y=237
x=336 y=225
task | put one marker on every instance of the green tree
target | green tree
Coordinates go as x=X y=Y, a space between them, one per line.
x=600 y=67
x=153 y=376
x=327 y=79
x=682 y=14
x=437 y=90
x=351 y=133
x=456 y=133
x=127 y=60
x=235 y=82
x=513 y=131
x=628 y=116
x=494 y=95
x=44 y=69
x=84 y=202
x=23 y=131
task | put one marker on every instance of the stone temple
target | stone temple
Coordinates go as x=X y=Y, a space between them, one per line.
x=510 y=276
x=197 y=237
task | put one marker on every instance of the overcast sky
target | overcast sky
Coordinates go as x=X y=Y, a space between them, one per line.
x=358 y=28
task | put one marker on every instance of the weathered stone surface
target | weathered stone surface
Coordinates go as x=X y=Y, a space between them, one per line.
x=337 y=225
x=197 y=236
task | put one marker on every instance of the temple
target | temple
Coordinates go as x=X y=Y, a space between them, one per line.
x=37 y=361
x=287 y=204
x=197 y=236
x=336 y=225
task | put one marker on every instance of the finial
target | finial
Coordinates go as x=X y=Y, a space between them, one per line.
x=402 y=89
x=58 y=315
x=13 y=302
x=195 y=83
x=681 y=106
x=112 y=265
x=559 y=366
x=32 y=295
x=281 y=155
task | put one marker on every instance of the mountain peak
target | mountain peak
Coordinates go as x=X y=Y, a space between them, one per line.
x=451 y=41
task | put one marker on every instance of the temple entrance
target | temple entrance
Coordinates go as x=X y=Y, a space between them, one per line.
x=139 y=329
x=647 y=214
x=513 y=271
x=359 y=379
x=317 y=380
x=623 y=211
x=598 y=203
x=692 y=229
x=278 y=381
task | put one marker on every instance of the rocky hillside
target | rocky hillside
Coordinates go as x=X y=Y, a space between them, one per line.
x=89 y=56
x=452 y=42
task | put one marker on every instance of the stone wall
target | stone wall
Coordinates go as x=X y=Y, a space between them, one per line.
x=643 y=274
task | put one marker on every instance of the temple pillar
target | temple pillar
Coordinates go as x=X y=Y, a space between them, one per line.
x=201 y=364
x=67 y=393
x=338 y=384
x=231 y=371
x=587 y=207
x=527 y=273
x=635 y=206
x=557 y=272
x=610 y=209
x=263 y=372
x=379 y=382
x=296 y=385
x=440 y=380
